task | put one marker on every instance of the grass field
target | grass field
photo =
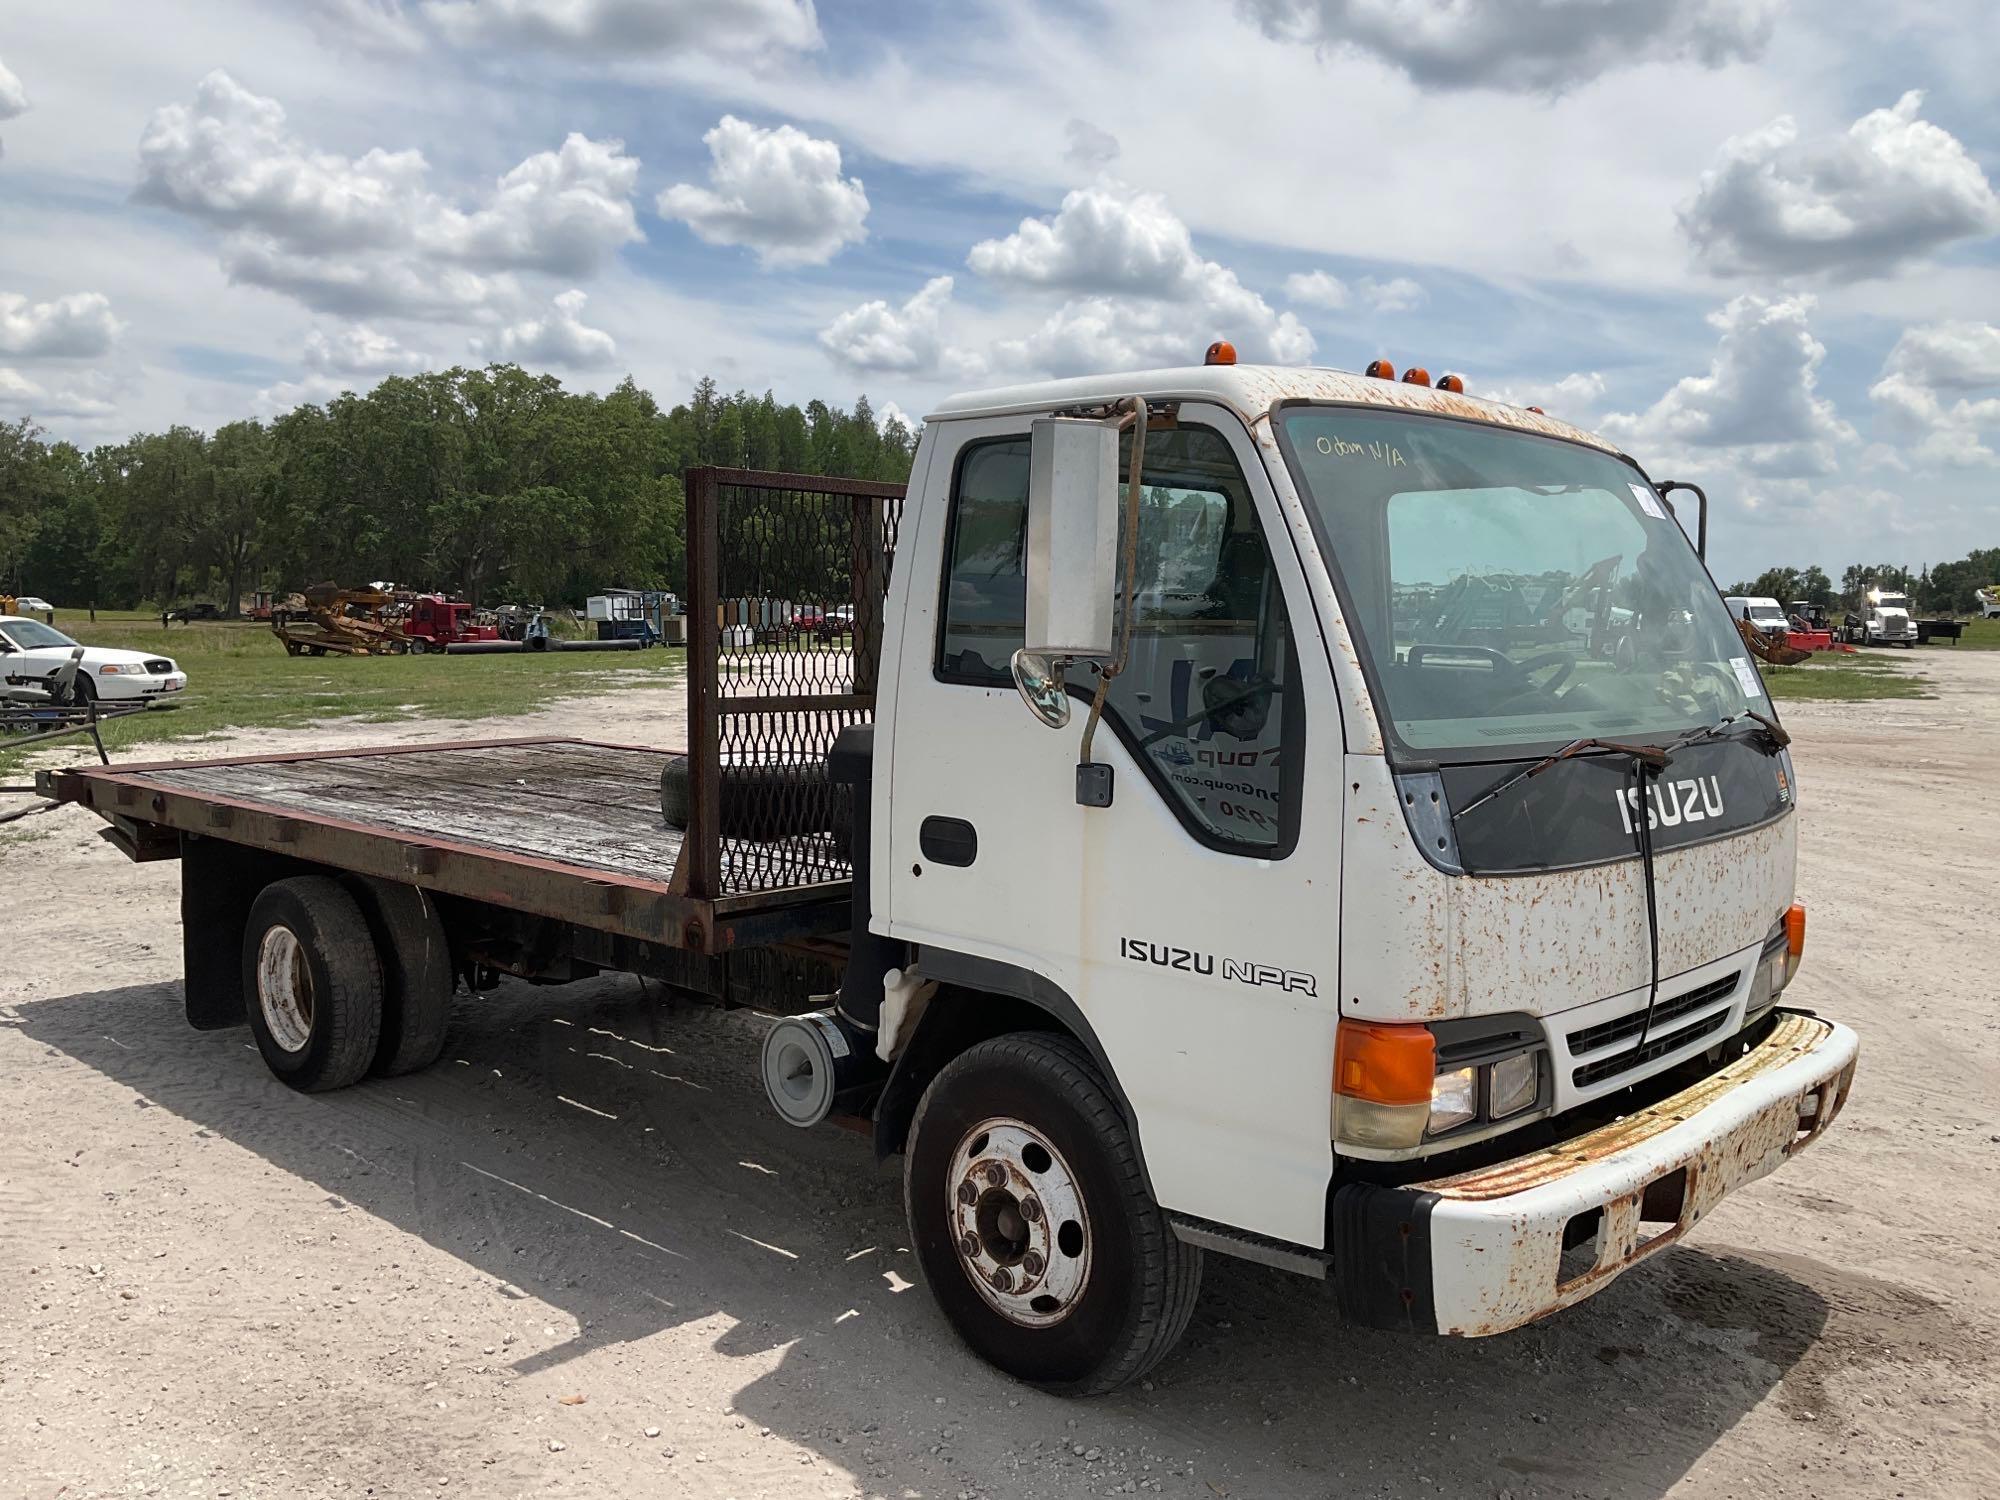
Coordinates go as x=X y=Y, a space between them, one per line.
x=239 y=677
x=1980 y=635
x=1830 y=677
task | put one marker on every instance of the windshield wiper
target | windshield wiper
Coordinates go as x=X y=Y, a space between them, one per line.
x=1770 y=738
x=1649 y=755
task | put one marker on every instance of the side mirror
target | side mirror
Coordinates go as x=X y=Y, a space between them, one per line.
x=1072 y=557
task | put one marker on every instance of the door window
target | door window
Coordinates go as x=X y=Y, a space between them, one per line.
x=1207 y=702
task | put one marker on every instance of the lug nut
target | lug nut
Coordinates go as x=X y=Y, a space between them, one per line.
x=1031 y=1209
x=968 y=1246
x=996 y=1175
x=1032 y=1263
x=1003 y=1280
x=968 y=1191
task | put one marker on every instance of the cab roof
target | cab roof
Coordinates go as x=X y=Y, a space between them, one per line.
x=1252 y=390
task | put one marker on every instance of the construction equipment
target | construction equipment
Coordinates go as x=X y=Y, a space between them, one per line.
x=376 y=621
x=1773 y=646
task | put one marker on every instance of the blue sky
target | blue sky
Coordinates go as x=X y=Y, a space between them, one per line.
x=1756 y=241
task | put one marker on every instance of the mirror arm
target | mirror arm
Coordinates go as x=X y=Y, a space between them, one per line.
x=1128 y=566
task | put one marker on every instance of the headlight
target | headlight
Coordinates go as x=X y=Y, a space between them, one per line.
x=112 y=670
x=1399 y=1085
x=1513 y=1085
x=1454 y=1099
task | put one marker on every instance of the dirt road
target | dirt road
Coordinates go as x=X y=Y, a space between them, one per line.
x=580 y=1257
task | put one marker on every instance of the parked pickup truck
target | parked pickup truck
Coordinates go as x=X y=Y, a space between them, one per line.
x=1317 y=818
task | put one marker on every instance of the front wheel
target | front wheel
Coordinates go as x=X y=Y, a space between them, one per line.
x=1030 y=1215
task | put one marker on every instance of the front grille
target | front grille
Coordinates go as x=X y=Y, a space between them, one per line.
x=159 y=666
x=1610 y=1033
x=1656 y=1047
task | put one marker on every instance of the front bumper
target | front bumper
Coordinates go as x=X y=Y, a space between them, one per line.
x=1483 y=1252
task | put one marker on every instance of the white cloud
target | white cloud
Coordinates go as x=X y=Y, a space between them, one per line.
x=1149 y=295
x=1091 y=147
x=565 y=212
x=889 y=412
x=378 y=27
x=368 y=234
x=79 y=326
x=560 y=337
x=358 y=349
x=1104 y=238
x=13 y=98
x=777 y=191
x=1954 y=358
x=1397 y=294
x=1317 y=289
x=906 y=340
x=1091 y=334
x=1890 y=190
x=1759 y=398
x=87 y=397
x=617 y=29
x=1574 y=398
x=1523 y=45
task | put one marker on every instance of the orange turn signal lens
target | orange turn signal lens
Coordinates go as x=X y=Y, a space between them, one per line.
x=1383 y=1063
x=1221 y=352
x=1795 y=931
x=1380 y=369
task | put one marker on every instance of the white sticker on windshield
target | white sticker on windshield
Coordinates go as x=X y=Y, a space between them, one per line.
x=1648 y=501
x=1746 y=676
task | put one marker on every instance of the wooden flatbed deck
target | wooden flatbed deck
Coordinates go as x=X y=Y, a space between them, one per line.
x=569 y=829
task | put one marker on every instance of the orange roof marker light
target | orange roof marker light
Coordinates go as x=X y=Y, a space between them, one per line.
x=1380 y=369
x=1416 y=375
x=1453 y=383
x=1221 y=352
x=1538 y=411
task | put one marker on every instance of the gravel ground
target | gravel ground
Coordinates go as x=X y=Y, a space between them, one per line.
x=580 y=1257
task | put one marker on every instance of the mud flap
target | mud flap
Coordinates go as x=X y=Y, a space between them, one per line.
x=219 y=881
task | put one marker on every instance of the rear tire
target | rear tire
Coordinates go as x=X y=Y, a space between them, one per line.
x=419 y=646
x=417 y=978
x=314 y=983
x=1029 y=1213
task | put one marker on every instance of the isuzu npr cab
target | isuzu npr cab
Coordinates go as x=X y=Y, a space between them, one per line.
x=1319 y=818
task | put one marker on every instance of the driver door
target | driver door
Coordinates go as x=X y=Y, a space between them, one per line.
x=1192 y=923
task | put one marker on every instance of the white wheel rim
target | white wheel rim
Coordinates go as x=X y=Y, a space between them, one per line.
x=1018 y=1223
x=285 y=988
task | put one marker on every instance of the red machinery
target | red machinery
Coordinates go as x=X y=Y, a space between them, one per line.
x=435 y=622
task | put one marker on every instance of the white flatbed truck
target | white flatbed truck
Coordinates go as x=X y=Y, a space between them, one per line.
x=1388 y=877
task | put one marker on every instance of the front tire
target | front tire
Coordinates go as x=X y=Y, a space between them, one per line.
x=1030 y=1215
x=313 y=981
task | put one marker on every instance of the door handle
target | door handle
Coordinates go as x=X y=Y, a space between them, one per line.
x=948 y=841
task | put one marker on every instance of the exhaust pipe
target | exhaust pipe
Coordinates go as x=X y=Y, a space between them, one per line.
x=810 y=1060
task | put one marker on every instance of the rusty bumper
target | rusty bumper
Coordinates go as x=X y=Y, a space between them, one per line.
x=1492 y=1249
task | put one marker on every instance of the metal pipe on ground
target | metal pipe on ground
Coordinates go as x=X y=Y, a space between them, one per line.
x=509 y=648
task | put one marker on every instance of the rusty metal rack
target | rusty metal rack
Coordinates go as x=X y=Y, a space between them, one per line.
x=787 y=574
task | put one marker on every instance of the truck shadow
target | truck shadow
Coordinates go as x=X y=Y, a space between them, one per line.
x=617 y=1164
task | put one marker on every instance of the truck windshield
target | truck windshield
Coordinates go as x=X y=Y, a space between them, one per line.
x=1511 y=592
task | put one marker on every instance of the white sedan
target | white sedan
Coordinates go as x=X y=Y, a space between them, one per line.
x=31 y=653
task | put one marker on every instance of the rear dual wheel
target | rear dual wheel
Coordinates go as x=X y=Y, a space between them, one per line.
x=1031 y=1217
x=342 y=981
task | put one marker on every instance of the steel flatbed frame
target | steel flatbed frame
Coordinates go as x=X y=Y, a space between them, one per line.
x=566 y=829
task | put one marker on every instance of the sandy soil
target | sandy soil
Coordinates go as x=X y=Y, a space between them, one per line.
x=580 y=1257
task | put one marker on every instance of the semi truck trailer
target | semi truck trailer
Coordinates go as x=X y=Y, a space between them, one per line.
x=1325 y=819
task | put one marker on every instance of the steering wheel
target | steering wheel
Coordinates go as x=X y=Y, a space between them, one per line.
x=1562 y=661
x=1262 y=687
x=1518 y=671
